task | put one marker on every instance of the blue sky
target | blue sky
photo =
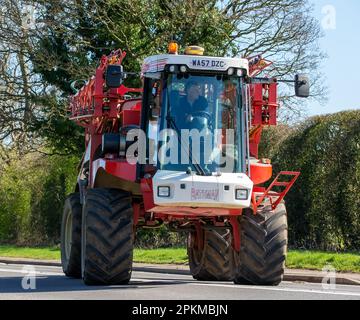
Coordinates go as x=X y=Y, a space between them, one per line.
x=342 y=45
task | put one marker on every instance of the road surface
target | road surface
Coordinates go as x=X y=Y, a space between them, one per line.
x=148 y=285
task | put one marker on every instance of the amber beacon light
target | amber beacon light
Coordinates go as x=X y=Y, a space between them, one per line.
x=173 y=48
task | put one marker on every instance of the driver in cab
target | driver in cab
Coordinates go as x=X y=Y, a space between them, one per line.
x=193 y=101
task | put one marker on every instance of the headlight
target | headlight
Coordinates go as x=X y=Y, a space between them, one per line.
x=183 y=69
x=163 y=192
x=241 y=194
x=239 y=72
x=231 y=71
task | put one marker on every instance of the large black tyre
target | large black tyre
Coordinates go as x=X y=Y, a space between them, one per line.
x=215 y=261
x=263 y=246
x=71 y=236
x=107 y=237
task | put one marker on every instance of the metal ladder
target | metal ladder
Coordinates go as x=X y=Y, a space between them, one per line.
x=271 y=194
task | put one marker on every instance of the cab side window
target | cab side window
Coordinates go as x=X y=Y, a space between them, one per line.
x=153 y=121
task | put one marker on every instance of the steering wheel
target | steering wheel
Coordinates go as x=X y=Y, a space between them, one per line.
x=203 y=114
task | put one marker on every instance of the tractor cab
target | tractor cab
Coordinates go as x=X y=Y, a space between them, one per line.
x=194 y=115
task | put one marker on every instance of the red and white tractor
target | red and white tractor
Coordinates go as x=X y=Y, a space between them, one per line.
x=180 y=151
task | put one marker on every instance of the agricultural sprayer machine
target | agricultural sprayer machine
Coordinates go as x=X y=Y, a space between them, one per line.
x=181 y=151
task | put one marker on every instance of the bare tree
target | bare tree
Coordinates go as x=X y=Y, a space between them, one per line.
x=285 y=32
x=18 y=82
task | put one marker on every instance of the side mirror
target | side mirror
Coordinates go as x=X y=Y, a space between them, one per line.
x=114 y=76
x=302 y=86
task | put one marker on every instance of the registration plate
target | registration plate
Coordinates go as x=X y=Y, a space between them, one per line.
x=207 y=63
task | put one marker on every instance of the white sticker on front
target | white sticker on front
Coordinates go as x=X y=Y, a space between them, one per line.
x=204 y=194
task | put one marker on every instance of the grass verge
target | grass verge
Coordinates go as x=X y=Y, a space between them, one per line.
x=40 y=253
x=314 y=260
x=159 y=256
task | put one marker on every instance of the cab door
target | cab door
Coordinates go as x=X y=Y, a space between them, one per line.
x=150 y=123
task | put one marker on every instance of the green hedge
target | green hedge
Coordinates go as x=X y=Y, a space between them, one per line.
x=159 y=238
x=324 y=204
x=32 y=193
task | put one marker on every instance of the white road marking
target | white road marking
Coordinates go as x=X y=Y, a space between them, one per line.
x=194 y=283
x=45 y=273
x=279 y=289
